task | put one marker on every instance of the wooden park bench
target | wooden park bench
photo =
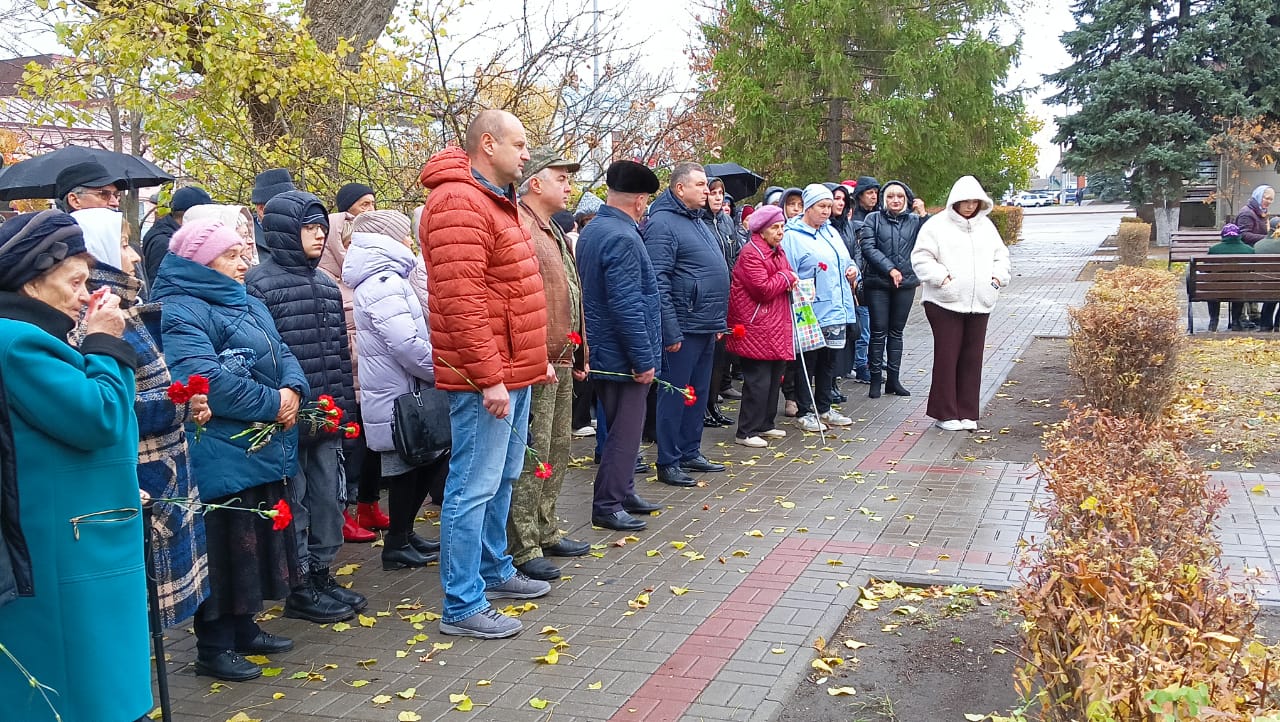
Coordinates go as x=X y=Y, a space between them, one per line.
x=1243 y=278
x=1188 y=243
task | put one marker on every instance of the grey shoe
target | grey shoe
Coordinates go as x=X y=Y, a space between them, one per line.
x=518 y=587
x=489 y=624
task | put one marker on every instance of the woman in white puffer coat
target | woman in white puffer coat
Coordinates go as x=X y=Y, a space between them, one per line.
x=962 y=264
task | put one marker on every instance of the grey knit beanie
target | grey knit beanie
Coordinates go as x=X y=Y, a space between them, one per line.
x=393 y=224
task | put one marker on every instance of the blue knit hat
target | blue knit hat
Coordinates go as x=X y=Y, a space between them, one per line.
x=271 y=183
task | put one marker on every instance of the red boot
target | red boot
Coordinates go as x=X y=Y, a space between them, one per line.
x=351 y=532
x=369 y=516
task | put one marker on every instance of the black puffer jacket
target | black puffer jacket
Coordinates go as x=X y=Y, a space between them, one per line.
x=155 y=245
x=15 y=560
x=304 y=302
x=887 y=240
x=848 y=231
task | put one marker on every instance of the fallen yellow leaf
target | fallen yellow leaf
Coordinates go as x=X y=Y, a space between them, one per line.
x=382 y=699
x=407 y=716
x=537 y=703
x=461 y=702
x=595 y=685
x=408 y=693
x=837 y=691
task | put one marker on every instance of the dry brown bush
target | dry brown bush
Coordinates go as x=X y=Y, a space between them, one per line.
x=1125 y=340
x=1132 y=240
x=1124 y=598
x=1008 y=220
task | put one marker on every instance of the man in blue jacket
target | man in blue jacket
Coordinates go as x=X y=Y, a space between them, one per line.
x=620 y=307
x=693 y=284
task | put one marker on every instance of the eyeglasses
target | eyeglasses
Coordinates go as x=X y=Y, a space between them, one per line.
x=105 y=194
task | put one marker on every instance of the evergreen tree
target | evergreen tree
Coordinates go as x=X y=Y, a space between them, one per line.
x=827 y=89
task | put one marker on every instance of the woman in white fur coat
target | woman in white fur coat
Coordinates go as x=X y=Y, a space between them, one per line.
x=962 y=264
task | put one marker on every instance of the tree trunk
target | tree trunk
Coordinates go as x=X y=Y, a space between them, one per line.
x=1166 y=214
x=835 y=136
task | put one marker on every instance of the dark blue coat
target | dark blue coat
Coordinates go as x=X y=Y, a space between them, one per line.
x=692 y=276
x=305 y=302
x=619 y=296
x=212 y=327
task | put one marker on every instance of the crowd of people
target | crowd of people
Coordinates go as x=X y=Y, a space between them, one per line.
x=293 y=334
x=1252 y=232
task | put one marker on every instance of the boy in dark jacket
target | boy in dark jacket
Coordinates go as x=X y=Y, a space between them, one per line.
x=307 y=308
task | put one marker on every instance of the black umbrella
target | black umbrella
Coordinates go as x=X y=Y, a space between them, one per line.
x=34 y=177
x=738 y=181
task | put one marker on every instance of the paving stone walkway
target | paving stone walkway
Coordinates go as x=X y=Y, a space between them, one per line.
x=771 y=553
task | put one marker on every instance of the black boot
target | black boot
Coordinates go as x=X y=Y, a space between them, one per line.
x=398 y=553
x=893 y=364
x=426 y=547
x=873 y=391
x=875 y=365
x=325 y=583
x=306 y=602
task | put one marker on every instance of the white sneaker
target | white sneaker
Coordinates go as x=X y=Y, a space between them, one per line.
x=835 y=418
x=774 y=434
x=754 y=442
x=950 y=425
x=809 y=422
x=584 y=431
x=969 y=424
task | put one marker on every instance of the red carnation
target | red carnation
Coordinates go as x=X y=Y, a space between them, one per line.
x=333 y=413
x=330 y=425
x=543 y=471
x=822 y=266
x=739 y=331
x=178 y=393
x=281 y=515
x=575 y=338
x=325 y=402
x=351 y=430
x=690 y=398
x=197 y=384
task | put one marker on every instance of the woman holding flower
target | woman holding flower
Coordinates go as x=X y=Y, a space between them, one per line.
x=760 y=319
x=212 y=328
x=164 y=469
x=76 y=614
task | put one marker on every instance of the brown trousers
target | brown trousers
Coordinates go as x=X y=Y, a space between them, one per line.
x=958 y=339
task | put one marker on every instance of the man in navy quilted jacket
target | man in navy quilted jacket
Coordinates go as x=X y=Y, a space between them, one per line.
x=693 y=285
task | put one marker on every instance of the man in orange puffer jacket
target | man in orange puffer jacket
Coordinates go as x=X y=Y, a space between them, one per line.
x=488 y=318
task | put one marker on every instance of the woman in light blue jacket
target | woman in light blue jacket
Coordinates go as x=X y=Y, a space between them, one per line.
x=818 y=253
x=395 y=356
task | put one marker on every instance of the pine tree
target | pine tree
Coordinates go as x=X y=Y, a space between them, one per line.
x=827 y=89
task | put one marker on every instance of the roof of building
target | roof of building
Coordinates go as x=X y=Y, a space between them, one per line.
x=11 y=70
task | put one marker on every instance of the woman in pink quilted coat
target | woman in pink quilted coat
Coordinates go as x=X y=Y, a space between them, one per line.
x=760 y=325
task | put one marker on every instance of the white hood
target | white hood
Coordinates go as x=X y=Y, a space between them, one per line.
x=101 y=227
x=968 y=189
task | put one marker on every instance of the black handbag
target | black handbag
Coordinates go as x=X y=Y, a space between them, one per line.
x=420 y=425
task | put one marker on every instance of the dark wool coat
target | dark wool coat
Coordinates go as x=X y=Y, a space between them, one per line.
x=15 y=559
x=156 y=244
x=692 y=276
x=305 y=303
x=85 y=632
x=164 y=468
x=619 y=296
x=212 y=327
x=1252 y=222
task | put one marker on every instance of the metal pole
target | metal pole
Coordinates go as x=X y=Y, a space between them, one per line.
x=153 y=604
x=804 y=369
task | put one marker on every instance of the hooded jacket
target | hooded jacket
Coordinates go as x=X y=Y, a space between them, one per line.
x=782 y=202
x=693 y=279
x=723 y=230
x=887 y=241
x=819 y=254
x=955 y=257
x=305 y=303
x=391 y=328
x=211 y=326
x=156 y=244
x=488 y=310
x=620 y=304
x=857 y=213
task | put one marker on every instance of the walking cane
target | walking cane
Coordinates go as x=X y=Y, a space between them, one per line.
x=804 y=369
x=153 y=604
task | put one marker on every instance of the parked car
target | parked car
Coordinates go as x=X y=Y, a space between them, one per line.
x=1027 y=199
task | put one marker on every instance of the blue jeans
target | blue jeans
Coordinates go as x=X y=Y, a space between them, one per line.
x=488 y=455
x=680 y=426
x=864 y=339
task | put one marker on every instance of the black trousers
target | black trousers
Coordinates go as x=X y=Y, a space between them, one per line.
x=821 y=365
x=407 y=492
x=363 y=469
x=584 y=398
x=1268 y=320
x=624 y=414
x=719 y=369
x=889 y=308
x=761 y=381
x=1215 y=311
x=228 y=631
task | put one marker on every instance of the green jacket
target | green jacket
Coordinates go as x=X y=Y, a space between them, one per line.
x=1232 y=246
x=84 y=633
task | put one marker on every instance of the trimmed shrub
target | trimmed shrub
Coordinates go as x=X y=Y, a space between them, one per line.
x=1132 y=240
x=1129 y=615
x=1131 y=219
x=1008 y=220
x=1125 y=340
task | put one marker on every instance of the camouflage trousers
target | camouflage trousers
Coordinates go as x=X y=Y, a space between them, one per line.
x=532 y=523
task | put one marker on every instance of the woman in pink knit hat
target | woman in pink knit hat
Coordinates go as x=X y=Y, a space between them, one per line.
x=212 y=327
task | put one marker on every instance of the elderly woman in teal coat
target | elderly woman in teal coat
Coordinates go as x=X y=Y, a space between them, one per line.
x=83 y=634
